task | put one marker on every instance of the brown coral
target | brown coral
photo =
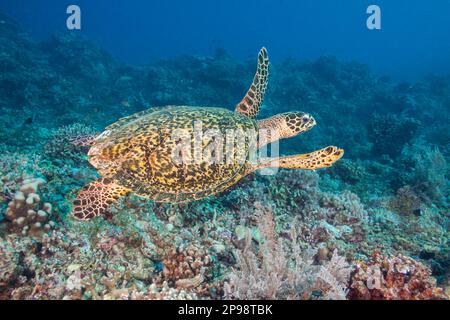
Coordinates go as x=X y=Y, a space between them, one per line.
x=185 y=263
x=393 y=278
x=189 y=269
x=26 y=212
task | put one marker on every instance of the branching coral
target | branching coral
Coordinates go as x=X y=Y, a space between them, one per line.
x=270 y=278
x=62 y=146
x=189 y=268
x=345 y=207
x=186 y=266
x=393 y=278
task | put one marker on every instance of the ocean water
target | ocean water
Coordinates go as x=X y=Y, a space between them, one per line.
x=324 y=223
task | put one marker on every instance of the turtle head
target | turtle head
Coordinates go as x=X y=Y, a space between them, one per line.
x=98 y=158
x=98 y=154
x=284 y=125
x=293 y=123
x=306 y=120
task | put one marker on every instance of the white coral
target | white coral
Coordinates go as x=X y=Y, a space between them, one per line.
x=282 y=271
x=336 y=274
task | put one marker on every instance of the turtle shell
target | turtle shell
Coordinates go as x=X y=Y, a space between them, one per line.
x=176 y=153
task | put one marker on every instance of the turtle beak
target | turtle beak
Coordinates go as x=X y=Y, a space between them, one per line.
x=308 y=121
x=97 y=159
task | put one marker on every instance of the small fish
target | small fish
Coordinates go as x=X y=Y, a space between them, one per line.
x=28 y=121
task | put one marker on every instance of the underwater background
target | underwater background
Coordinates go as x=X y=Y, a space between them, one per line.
x=373 y=226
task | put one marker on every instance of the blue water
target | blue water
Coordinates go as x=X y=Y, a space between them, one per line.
x=413 y=41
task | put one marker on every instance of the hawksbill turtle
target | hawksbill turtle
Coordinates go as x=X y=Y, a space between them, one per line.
x=136 y=153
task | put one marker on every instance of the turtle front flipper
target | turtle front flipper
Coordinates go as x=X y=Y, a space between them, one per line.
x=322 y=158
x=252 y=101
x=94 y=199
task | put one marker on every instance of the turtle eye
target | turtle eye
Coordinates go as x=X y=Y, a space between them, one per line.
x=308 y=120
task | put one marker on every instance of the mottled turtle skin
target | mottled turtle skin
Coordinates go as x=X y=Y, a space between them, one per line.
x=139 y=153
x=136 y=151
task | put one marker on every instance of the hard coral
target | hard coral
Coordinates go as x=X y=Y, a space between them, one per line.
x=27 y=214
x=393 y=278
x=61 y=145
x=406 y=202
x=429 y=177
x=8 y=264
x=389 y=133
x=186 y=265
x=164 y=293
x=348 y=171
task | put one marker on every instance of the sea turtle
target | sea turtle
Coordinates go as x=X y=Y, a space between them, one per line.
x=136 y=153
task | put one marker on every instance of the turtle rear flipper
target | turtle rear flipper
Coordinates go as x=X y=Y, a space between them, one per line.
x=252 y=101
x=322 y=158
x=94 y=199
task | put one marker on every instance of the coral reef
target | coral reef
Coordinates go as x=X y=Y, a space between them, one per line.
x=406 y=201
x=292 y=235
x=393 y=278
x=187 y=269
x=62 y=144
x=388 y=133
x=429 y=177
x=277 y=272
x=26 y=212
x=9 y=265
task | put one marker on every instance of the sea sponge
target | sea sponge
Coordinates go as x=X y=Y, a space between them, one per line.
x=26 y=212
